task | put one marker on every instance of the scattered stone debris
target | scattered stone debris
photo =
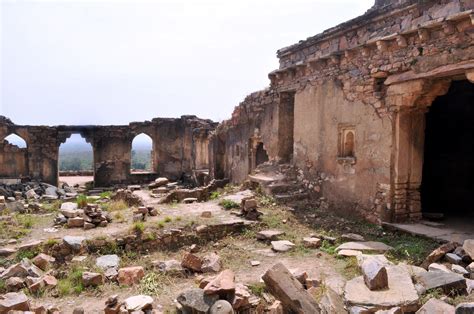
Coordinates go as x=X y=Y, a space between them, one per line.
x=89 y=217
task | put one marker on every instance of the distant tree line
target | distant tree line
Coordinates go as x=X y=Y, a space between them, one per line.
x=80 y=160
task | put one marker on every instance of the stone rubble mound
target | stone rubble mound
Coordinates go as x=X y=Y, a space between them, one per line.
x=92 y=216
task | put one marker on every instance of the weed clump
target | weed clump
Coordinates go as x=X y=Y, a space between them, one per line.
x=229 y=204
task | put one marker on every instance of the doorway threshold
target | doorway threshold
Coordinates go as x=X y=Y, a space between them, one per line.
x=451 y=230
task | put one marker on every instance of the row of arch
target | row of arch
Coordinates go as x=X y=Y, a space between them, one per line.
x=82 y=159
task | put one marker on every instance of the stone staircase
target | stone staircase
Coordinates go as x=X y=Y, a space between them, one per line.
x=279 y=181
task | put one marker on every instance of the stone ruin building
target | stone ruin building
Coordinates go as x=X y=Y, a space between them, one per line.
x=374 y=114
x=179 y=147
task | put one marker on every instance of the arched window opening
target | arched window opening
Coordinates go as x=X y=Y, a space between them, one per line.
x=346 y=147
x=349 y=144
x=261 y=155
x=142 y=154
x=15 y=140
x=76 y=155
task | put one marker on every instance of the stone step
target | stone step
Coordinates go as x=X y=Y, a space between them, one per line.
x=266 y=179
x=283 y=187
x=286 y=198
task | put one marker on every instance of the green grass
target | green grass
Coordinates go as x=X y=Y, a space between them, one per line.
x=81 y=201
x=168 y=219
x=25 y=220
x=214 y=195
x=3 y=286
x=138 y=227
x=52 y=207
x=408 y=248
x=117 y=206
x=154 y=283
x=229 y=204
x=106 y=194
x=160 y=224
x=72 y=284
x=178 y=218
x=328 y=247
x=29 y=254
x=257 y=288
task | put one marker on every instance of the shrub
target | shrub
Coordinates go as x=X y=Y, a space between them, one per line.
x=81 y=201
x=117 y=205
x=229 y=204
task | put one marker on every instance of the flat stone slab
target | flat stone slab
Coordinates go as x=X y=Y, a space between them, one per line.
x=435 y=306
x=401 y=292
x=269 y=234
x=349 y=253
x=439 y=279
x=107 y=261
x=371 y=246
x=282 y=246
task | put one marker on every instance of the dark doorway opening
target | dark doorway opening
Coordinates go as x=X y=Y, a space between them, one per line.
x=286 y=124
x=261 y=155
x=448 y=168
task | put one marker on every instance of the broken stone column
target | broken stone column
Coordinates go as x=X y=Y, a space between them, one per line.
x=286 y=288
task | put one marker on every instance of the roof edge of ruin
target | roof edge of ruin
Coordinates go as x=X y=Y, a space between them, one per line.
x=374 y=12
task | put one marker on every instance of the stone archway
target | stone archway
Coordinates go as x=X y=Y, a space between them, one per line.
x=409 y=102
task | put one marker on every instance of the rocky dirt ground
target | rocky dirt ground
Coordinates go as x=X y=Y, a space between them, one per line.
x=124 y=251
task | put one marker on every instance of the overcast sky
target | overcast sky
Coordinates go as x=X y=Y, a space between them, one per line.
x=113 y=62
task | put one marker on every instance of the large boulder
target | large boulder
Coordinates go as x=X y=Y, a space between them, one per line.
x=74 y=242
x=92 y=279
x=435 y=306
x=439 y=253
x=192 y=262
x=130 y=276
x=447 y=281
x=223 y=284
x=43 y=261
x=468 y=246
x=14 y=302
x=107 y=261
x=375 y=274
x=138 y=303
x=282 y=246
x=194 y=300
x=286 y=288
x=211 y=263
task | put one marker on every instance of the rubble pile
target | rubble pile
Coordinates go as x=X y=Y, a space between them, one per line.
x=90 y=217
x=36 y=191
x=128 y=197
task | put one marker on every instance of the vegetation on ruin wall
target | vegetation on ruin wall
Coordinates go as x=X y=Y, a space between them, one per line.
x=82 y=160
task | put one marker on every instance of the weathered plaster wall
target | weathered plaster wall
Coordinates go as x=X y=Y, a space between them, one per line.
x=320 y=112
x=389 y=65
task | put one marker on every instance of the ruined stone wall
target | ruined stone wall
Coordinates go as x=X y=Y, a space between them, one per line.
x=371 y=78
x=172 y=153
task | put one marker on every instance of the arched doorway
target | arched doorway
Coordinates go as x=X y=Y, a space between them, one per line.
x=142 y=154
x=14 y=155
x=76 y=161
x=448 y=164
